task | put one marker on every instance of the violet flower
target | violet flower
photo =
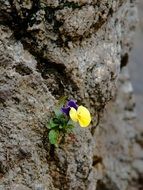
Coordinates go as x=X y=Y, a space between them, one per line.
x=69 y=105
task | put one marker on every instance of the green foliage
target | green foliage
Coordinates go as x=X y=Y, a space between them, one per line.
x=53 y=136
x=59 y=125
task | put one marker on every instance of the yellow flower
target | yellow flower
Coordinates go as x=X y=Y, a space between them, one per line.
x=81 y=115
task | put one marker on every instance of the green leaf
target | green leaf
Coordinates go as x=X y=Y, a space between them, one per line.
x=63 y=120
x=53 y=136
x=56 y=120
x=60 y=126
x=51 y=124
x=69 y=127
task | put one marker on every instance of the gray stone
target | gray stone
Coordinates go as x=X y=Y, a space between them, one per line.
x=72 y=48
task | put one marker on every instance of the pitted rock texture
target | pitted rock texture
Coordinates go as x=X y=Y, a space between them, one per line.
x=116 y=139
x=70 y=37
x=49 y=49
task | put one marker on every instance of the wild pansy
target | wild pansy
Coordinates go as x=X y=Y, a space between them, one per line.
x=63 y=119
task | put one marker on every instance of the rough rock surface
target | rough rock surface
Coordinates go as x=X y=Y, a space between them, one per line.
x=76 y=48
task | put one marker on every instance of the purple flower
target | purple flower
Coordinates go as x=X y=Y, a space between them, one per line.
x=70 y=104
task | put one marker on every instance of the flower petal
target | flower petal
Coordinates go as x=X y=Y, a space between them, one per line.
x=72 y=104
x=65 y=110
x=83 y=116
x=73 y=114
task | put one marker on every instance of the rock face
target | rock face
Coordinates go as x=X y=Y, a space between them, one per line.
x=75 y=48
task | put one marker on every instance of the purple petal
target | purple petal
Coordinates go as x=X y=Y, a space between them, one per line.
x=72 y=104
x=65 y=110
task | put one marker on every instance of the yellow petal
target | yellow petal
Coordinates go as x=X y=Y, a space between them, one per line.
x=73 y=114
x=83 y=116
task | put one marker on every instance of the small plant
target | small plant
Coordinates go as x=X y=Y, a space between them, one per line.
x=64 y=116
